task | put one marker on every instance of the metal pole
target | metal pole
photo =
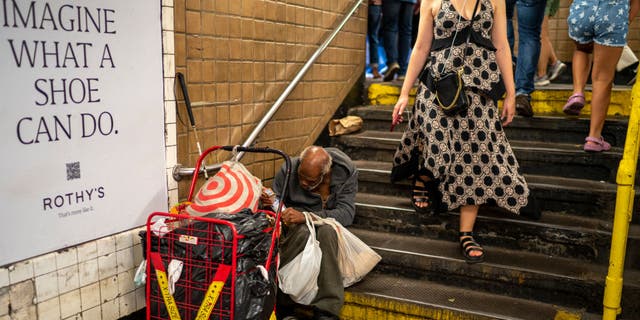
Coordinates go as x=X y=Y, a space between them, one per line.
x=624 y=210
x=179 y=172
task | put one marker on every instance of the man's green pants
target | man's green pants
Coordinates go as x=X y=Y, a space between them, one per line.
x=330 y=295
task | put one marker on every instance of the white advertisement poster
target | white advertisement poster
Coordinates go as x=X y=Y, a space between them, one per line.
x=82 y=122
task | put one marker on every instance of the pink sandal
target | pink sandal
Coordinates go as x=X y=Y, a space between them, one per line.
x=574 y=104
x=597 y=145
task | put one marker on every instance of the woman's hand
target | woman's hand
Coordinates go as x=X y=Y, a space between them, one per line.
x=508 y=109
x=398 y=110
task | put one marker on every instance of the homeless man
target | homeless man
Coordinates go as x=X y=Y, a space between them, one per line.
x=322 y=181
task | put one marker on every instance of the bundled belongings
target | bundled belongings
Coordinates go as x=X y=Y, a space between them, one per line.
x=215 y=257
x=203 y=246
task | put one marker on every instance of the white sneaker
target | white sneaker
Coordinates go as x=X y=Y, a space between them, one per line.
x=541 y=81
x=556 y=69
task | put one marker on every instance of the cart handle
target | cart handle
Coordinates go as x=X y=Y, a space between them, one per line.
x=285 y=186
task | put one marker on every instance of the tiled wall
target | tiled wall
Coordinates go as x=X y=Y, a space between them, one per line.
x=564 y=46
x=239 y=55
x=93 y=280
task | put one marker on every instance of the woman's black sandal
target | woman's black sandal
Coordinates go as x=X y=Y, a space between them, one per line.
x=423 y=194
x=468 y=244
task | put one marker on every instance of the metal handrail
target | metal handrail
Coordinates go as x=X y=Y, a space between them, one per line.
x=624 y=210
x=179 y=171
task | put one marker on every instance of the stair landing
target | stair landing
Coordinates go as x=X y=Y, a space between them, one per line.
x=545 y=100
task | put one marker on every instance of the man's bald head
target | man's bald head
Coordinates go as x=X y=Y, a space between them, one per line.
x=315 y=164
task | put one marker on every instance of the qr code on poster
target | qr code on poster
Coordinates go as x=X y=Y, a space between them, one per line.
x=73 y=170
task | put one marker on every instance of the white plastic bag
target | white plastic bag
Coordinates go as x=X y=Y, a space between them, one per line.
x=299 y=277
x=627 y=58
x=355 y=257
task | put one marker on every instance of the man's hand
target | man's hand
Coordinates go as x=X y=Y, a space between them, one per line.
x=267 y=197
x=292 y=216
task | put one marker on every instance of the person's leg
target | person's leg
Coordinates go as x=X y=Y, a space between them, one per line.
x=530 y=16
x=330 y=297
x=292 y=242
x=580 y=67
x=404 y=35
x=610 y=35
x=545 y=48
x=373 y=27
x=468 y=215
x=605 y=59
x=510 y=6
x=390 y=11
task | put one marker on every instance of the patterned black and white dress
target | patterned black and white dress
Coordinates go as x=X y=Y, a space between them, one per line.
x=468 y=154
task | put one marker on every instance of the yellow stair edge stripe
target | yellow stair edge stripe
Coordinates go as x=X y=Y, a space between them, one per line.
x=543 y=101
x=361 y=306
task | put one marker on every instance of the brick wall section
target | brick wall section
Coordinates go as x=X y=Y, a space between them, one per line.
x=564 y=46
x=241 y=54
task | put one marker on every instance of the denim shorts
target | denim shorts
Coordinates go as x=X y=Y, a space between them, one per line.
x=605 y=22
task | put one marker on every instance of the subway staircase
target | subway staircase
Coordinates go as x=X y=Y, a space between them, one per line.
x=548 y=263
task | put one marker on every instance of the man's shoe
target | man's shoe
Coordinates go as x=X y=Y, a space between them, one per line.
x=523 y=105
x=541 y=81
x=374 y=71
x=556 y=70
x=391 y=72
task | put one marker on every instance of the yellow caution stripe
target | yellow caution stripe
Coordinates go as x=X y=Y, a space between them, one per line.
x=163 y=283
x=213 y=292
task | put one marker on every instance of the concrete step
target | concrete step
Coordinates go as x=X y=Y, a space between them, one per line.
x=555 y=235
x=548 y=159
x=386 y=297
x=548 y=100
x=523 y=275
x=579 y=197
x=542 y=128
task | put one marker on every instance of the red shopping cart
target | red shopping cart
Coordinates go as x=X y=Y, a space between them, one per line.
x=227 y=261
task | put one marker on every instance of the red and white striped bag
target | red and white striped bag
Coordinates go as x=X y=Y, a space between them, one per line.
x=230 y=190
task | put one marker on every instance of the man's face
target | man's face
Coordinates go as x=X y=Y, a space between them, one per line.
x=309 y=177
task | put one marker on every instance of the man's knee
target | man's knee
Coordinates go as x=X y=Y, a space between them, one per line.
x=326 y=234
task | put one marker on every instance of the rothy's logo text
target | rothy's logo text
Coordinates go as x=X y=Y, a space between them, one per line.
x=72 y=198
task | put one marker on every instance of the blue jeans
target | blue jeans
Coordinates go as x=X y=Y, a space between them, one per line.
x=530 y=16
x=396 y=30
x=510 y=6
x=373 y=26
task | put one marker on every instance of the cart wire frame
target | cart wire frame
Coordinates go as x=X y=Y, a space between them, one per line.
x=212 y=240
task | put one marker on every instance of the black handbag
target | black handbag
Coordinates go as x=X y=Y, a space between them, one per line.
x=449 y=87
x=449 y=92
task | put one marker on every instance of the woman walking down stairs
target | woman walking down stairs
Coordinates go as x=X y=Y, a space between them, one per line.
x=548 y=264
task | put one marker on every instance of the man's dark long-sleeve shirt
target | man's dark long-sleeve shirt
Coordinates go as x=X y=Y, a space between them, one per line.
x=340 y=204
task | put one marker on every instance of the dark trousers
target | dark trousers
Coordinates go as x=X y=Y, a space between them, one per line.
x=330 y=296
x=396 y=32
